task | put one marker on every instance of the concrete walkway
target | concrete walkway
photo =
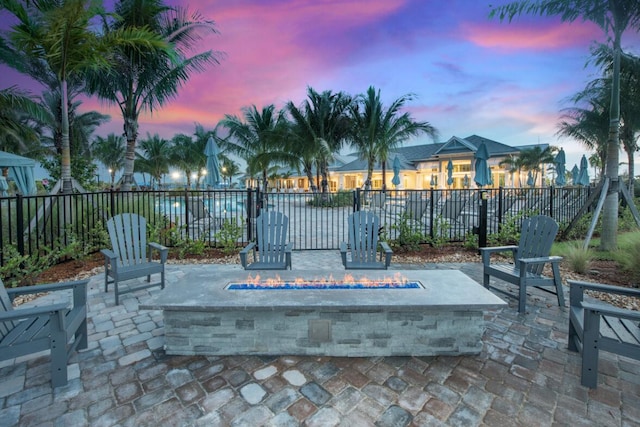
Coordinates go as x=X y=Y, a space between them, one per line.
x=524 y=376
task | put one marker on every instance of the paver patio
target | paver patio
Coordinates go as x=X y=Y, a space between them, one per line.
x=524 y=376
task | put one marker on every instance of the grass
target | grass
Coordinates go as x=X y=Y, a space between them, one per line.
x=626 y=242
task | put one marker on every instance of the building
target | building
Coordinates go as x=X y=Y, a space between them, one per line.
x=422 y=167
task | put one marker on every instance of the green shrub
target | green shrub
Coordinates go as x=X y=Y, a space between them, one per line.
x=441 y=232
x=629 y=259
x=228 y=236
x=471 y=241
x=508 y=233
x=408 y=239
x=578 y=258
x=21 y=270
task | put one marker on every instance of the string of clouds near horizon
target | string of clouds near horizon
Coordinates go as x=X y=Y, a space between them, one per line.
x=470 y=75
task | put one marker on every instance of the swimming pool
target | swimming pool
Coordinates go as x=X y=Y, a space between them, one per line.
x=218 y=207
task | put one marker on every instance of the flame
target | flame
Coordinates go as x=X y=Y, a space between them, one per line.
x=348 y=279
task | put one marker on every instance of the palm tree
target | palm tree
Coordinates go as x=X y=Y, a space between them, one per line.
x=533 y=158
x=17 y=131
x=110 y=152
x=153 y=157
x=258 y=138
x=376 y=131
x=513 y=164
x=588 y=126
x=58 y=34
x=629 y=103
x=146 y=82
x=184 y=155
x=613 y=16
x=320 y=127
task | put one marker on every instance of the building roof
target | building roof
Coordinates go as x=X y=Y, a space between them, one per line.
x=410 y=156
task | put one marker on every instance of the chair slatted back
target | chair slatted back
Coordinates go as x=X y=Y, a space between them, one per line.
x=378 y=200
x=197 y=209
x=272 y=228
x=5 y=305
x=128 y=235
x=536 y=238
x=363 y=236
x=416 y=207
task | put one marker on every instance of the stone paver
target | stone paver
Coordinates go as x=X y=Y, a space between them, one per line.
x=524 y=376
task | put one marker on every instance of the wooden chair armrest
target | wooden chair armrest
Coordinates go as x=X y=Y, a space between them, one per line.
x=387 y=253
x=541 y=260
x=609 y=310
x=26 y=313
x=164 y=251
x=487 y=252
x=109 y=255
x=48 y=287
x=604 y=288
x=244 y=252
x=343 y=253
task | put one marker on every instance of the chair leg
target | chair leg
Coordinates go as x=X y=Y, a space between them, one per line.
x=115 y=287
x=58 y=351
x=162 y=279
x=558 y=282
x=573 y=336
x=590 y=351
x=522 y=297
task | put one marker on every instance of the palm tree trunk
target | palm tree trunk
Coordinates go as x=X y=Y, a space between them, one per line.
x=65 y=160
x=131 y=133
x=632 y=171
x=609 y=237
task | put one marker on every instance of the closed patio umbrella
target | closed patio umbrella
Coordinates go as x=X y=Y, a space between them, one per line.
x=450 y=172
x=575 y=172
x=211 y=150
x=530 y=181
x=560 y=161
x=433 y=181
x=583 y=175
x=465 y=181
x=483 y=175
x=396 y=172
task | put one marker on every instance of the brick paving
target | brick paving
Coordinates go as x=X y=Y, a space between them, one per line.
x=524 y=376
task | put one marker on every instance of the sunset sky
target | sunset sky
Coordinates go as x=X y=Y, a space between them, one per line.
x=471 y=75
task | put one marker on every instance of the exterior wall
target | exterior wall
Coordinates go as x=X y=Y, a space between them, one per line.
x=324 y=331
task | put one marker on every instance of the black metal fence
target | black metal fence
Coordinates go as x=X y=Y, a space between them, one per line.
x=36 y=224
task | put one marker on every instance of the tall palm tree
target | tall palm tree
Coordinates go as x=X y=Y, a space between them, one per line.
x=147 y=81
x=614 y=17
x=589 y=126
x=58 y=33
x=629 y=103
x=184 y=155
x=534 y=158
x=153 y=157
x=258 y=138
x=513 y=164
x=110 y=152
x=376 y=131
x=17 y=112
x=321 y=125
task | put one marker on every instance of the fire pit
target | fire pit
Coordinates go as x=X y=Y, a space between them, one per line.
x=348 y=282
x=442 y=315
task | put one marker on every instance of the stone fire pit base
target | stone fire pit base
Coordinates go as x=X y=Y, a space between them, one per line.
x=445 y=318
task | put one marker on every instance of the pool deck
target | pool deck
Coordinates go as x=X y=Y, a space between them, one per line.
x=524 y=375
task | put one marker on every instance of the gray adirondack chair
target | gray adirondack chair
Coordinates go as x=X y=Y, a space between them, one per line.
x=271 y=250
x=596 y=326
x=61 y=328
x=530 y=257
x=131 y=256
x=362 y=249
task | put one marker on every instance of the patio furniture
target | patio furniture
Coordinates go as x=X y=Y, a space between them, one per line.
x=360 y=252
x=595 y=326
x=271 y=251
x=201 y=218
x=530 y=256
x=131 y=256
x=61 y=328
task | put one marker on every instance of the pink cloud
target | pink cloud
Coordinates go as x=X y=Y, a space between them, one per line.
x=550 y=36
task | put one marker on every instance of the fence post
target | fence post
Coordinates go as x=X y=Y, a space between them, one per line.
x=20 y=223
x=249 y=212
x=356 y=200
x=482 y=223
x=431 y=210
x=112 y=201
